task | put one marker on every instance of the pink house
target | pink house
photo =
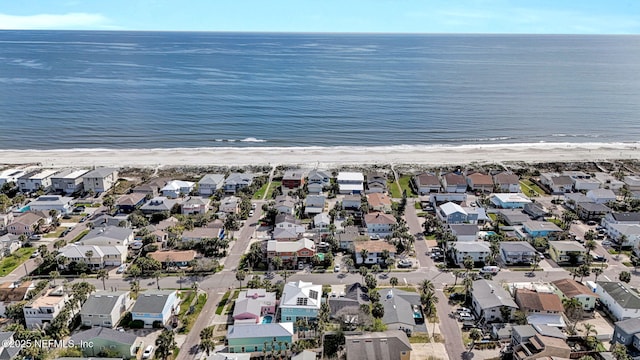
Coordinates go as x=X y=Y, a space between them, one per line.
x=254 y=306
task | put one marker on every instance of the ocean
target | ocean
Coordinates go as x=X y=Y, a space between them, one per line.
x=133 y=90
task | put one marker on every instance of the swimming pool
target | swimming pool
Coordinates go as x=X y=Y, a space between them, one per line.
x=267 y=319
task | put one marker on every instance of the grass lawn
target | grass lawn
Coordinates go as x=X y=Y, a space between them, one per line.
x=407 y=288
x=419 y=338
x=394 y=189
x=222 y=303
x=492 y=216
x=405 y=184
x=122 y=187
x=81 y=235
x=11 y=262
x=430 y=237
x=417 y=205
x=274 y=185
x=529 y=188
x=57 y=233
x=260 y=193
x=190 y=319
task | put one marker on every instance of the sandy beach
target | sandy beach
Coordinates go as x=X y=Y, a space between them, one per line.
x=325 y=156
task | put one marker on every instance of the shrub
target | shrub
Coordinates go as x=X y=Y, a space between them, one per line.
x=158 y=324
x=136 y=324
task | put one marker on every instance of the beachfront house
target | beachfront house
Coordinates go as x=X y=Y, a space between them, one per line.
x=608 y=181
x=376 y=183
x=68 y=181
x=300 y=299
x=620 y=300
x=104 y=308
x=478 y=181
x=36 y=180
x=454 y=183
x=601 y=196
x=151 y=187
x=317 y=181
x=237 y=181
x=375 y=251
x=426 y=183
x=100 y=179
x=177 y=188
x=582 y=180
x=350 y=182
x=379 y=224
x=253 y=305
x=259 y=338
x=210 y=184
x=11 y=176
x=292 y=179
x=507 y=182
x=558 y=184
x=155 y=306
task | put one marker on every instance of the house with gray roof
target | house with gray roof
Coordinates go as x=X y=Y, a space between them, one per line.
x=210 y=183
x=7 y=351
x=399 y=309
x=349 y=302
x=621 y=301
x=601 y=196
x=155 y=305
x=464 y=232
x=317 y=180
x=535 y=211
x=195 y=205
x=46 y=203
x=513 y=217
x=68 y=181
x=520 y=334
x=517 y=252
x=122 y=344
x=100 y=179
x=591 y=211
x=237 y=181
x=314 y=204
x=571 y=200
x=104 y=308
x=627 y=332
x=158 y=204
x=488 y=297
x=476 y=250
x=558 y=184
x=387 y=345
x=108 y=235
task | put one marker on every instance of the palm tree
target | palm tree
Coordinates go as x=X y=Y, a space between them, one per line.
x=157 y=274
x=363 y=272
x=588 y=329
x=625 y=276
x=348 y=263
x=590 y=245
x=135 y=287
x=103 y=275
x=573 y=310
x=456 y=274
x=206 y=340
x=426 y=286
x=474 y=335
x=166 y=343
x=277 y=262
x=597 y=272
x=54 y=275
x=622 y=239
x=393 y=281
x=467 y=282
x=364 y=254
x=240 y=276
x=88 y=255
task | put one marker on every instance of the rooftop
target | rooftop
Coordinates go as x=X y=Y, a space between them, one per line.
x=532 y=300
x=571 y=288
x=175 y=256
x=152 y=301
x=102 y=302
x=100 y=173
x=624 y=295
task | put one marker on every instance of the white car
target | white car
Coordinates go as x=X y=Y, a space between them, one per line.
x=253 y=206
x=148 y=352
x=336 y=268
x=251 y=213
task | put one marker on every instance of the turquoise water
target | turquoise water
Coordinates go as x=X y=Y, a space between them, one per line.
x=267 y=319
x=25 y=209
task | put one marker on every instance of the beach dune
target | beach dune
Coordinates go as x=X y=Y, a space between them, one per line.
x=325 y=156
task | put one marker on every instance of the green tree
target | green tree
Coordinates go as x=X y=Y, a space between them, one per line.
x=426 y=286
x=54 y=275
x=364 y=254
x=597 y=272
x=363 y=272
x=474 y=335
x=393 y=281
x=157 y=274
x=370 y=281
x=15 y=312
x=135 y=287
x=166 y=343
x=277 y=262
x=240 y=276
x=377 y=310
x=206 y=340
x=625 y=276
x=103 y=275
x=619 y=352
x=108 y=201
x=468 y=263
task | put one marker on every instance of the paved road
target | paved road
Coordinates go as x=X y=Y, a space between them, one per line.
x=449 y=328
x=415 y=228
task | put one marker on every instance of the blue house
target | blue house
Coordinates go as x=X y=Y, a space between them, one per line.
x=510 y=200
x=156 y=305
x=300 y=300
x=452 y=213
x=541 y=229
x=253 y=337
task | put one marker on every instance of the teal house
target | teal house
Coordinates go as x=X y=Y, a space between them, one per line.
x=253 y=337
x=106 y=342
x=300 y=299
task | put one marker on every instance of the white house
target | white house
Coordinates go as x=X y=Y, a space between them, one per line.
x=509 y=200
x=237 y=181
x=477 y=250
x=96 y=257
x=378 y=223
x=631 y=232
x=210 y=183
x=177 y=188
x=559 y=184
x=317 y=181
x=582 y=180
x=608 y=181
x=36 y=180
x=155 y=306
x=11 y=175
x=375 y=250
x=621 y=301
x=100 y=179
x=454 y=183
x=68 y=181
x=285 y=221
x=104 y=308
x=9 y=243
x=464 y=232
x=506 y=182
x=322 y=221
x=427 y=183
x=45 y=203
x=601 y=196
x=487 y=299
x=300 y=300
x=285 y=204
x=517 y=252
x=108 y=235
x=632 y=182
x=230 y=204
x=41 y=311
x=350 y=182
x=314 y=204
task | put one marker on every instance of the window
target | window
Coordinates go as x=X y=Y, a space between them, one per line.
x=288 y=318
x=301 y=301
x=313 y=294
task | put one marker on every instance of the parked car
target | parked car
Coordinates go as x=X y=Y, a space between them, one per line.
x=606 y=243
x=591 y=223
x=457 y=296
x=336 y=268
x=466 y=317
x=253 y=206
x=148 y=352
x=121 y=269
x=35 y=254
x=300 y=265
x=251 y=213
x=490 y=270
x=404 y=263
x=599 y=258
x=463 y=310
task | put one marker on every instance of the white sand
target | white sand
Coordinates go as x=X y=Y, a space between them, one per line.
x=329 y=156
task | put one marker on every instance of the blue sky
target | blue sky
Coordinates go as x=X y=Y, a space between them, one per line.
x=403 y=16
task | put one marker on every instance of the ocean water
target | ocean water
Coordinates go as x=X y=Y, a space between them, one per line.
x=66 y=90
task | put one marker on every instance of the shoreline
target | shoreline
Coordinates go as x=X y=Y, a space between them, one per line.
x=326 y=156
